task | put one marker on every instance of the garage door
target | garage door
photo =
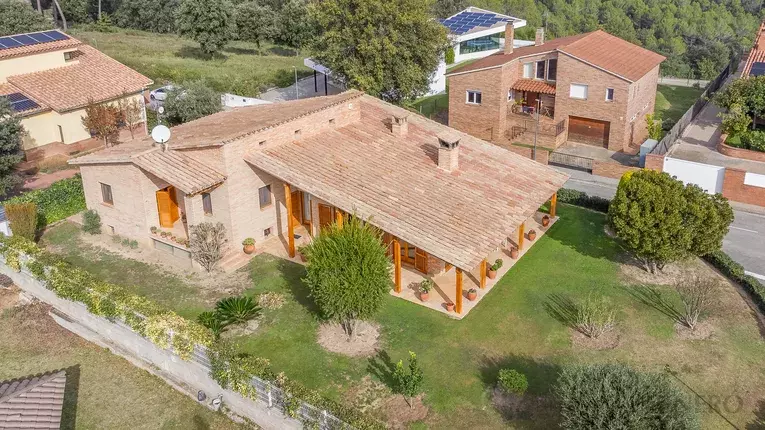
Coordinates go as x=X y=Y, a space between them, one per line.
x=589 y=131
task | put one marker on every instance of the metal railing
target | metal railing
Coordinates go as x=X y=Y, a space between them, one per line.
x=545 y=129
x=570 y=160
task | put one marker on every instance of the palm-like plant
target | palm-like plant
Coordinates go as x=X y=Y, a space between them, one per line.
x=212 y=321
x=233 y=310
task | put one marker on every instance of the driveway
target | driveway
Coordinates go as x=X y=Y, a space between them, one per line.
x=305 y=89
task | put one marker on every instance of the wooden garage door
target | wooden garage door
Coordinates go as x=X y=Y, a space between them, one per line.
x=589 y=131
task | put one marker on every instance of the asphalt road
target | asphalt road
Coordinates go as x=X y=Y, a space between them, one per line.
x=745 y=241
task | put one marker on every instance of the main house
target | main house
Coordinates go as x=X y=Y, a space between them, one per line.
x=592 y=88
x=279 y=173
x=50 y=77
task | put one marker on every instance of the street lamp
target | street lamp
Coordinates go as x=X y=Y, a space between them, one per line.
x=536 y=128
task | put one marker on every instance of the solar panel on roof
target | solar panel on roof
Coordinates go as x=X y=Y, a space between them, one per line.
x=758 y=69
x=31 y=39
x=56 y=35
x=40 y=37
x=21 y=103
x=8 y=42
x=24 y=39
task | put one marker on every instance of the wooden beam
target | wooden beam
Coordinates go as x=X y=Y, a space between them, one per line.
x=553 y=205
x=458 y=302
x=290 y=223
x=397 y=264
x=520 y=236
x=483 y=273
x=339 y=217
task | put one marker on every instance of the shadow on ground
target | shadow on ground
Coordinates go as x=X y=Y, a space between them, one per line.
x=71 y=393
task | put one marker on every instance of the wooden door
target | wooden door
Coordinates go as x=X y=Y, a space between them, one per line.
x=167 y=207
x=421 y=260
x=297 y=209
x=531 y=99
x=589 y=131
x=325 y=215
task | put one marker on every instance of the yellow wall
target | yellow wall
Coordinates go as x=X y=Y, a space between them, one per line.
x=32 y=63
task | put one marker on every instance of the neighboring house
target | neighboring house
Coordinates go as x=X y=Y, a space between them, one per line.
x=755 y=62
x=274 y=172
x=50 y=78
x=592 y=88
x=35 y=402
x=5 y=228
x=473 y=33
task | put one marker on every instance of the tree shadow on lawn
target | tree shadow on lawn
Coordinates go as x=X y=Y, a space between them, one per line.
x=583 y=231
x=243 y=51
x=382 y=367
x=195 y=52
x=293 y=274
x=759 y=418
x=654 y=298
x=282 y=51
x=562 y=309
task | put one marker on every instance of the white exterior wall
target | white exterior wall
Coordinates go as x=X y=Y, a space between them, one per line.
x=754 y=179
x=708 y=177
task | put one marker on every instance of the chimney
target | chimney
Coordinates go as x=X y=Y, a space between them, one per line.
x=509 y=37
x=448 y=152
x=399 y=125
x=540 y=39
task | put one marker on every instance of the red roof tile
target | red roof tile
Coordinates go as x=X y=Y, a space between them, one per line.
x=32 y=403
x=7 y=88
x=757 y=53
x=38 y=48
x=533 y=86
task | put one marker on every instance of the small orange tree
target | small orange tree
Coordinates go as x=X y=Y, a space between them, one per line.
x=131 y=112
x=101 y=120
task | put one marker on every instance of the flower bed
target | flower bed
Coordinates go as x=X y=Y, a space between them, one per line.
x=732 y=146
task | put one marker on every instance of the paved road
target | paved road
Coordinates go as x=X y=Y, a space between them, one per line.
x=745 y=241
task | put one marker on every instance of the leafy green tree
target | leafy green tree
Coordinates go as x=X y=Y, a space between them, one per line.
x=736 y=121
x=348 y=272
x=295 y=27
x=190 y=101
x=157 y=16
x=19 y=17
x=447 y=8
x=653 y=124
x=208 y=22
x=393 y=59
x=255 y=23
x=76 y=11
x=744 y=95
x=708 y=217
x=613 y=396
x=407 y=382
x=708 y=69
x=11 y=133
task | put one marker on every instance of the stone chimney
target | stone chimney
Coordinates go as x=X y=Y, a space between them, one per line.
x=399 y=125
x=448 y=152
x=509 y=38
x=540 y=38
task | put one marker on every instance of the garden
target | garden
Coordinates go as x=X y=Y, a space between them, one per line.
x=744 y=108
x=576 y=298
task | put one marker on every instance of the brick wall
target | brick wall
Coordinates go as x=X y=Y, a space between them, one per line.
x=542 y=155
x=734 y=188
x=746 y=154
x=611 y=170
x=482 y=121
x=640 y=105
x=654 y=162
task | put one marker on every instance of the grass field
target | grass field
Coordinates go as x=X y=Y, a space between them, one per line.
x=511 y=327
x=241 y=68
x=673 y=101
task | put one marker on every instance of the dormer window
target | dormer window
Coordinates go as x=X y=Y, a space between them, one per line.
x=70 y=55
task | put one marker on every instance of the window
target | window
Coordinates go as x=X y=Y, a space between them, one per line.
x=609 y=94
x=264 y=195
x=510 y=95
x=331 y=121
x=578 y=91
x=480 y=44
x=69 y=56
x=267 y=232
x=474 y=97
x=207 y=203
x=106 y=194
x=552 y=69
x=61 y=134
x=297 y=132
x=540 y=69
x=528 y=70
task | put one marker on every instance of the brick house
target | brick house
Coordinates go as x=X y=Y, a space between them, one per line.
x=278 y=173
x=50 y=78
x=592 y=88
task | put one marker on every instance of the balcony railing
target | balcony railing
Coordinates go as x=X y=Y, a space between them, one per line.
x=530 y=126
x=529 y=111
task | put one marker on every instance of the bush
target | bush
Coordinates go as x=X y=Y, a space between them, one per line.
x=91 y=222
x=408 y=382
x=212 y=321
x=191 y=101
x=449 y=55
x=735 y=272
x=579 y=198
x=235 y=310
x=157 y=16
x=594 y=317
x=512 y=381
x=611 y=396
x=207 y=240
x=753 y=140
x=696 y=294
x=61 y=200
x=19 y=17
x=23 y=219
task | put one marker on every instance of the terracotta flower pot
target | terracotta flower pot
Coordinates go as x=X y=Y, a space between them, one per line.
x=302 y=257
x=249 y=249
x=491 y=274
x=545 y=220
x=514 y=253
x=424 y=296
x=532 y=234
x=472 y=295
x=450 y=307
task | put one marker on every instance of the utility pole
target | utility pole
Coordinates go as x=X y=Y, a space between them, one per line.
x=536 y=128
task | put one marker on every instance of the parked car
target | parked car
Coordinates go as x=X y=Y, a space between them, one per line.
x=160 y=93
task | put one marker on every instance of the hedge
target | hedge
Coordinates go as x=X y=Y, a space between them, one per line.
x=62 y=199
x=579 y=198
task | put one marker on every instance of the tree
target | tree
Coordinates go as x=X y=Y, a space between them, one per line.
x=255 y=23
x=11 y=134
x=131 y=111
x=208 y=22
x=708 y=69
x=707 y=217
x=408 y=382
x=149 y=15
x=393 y=59
x=653 y=125
x=294 y=24
x=23 y=219
x=191 y=101
x=736 y=121
x=446 y=8
x=206 y=244
x=743 y=95
x=19 y=17
x=613 y=396
x=696 y=294
x=101 y=120
x=348 y=272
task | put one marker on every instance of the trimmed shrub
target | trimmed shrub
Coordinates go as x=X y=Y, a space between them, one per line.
x=23 y=219
x=512 y=381
x=613 y=396
x=735 y=272
x=91 y=222
x=579 y=198
x=62 y=199
x=234 y=310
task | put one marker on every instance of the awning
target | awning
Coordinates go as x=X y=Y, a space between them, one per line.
x=180 y=170
x=533 y=86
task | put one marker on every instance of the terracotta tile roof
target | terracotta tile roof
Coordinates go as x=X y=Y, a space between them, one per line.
x=7 y=88
x=95 y=77
x=38 y=48
x=534 y=86
x=180 y=170
x=459 y=217
x=32 y=403
x=598 y=48
x=757 y=53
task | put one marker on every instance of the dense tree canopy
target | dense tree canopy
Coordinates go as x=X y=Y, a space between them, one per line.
x=19 y=17
x=393 y=58
x=190 y=101
x=11 y=133
x=150 y=15
x=208 y=22
x=255 y=23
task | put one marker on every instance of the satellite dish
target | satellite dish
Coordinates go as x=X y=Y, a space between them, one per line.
x=161 y=110
x=160 y=134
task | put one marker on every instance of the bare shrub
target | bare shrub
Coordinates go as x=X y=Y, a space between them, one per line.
x=594 y=317
x=206 y=244
x=696 y=294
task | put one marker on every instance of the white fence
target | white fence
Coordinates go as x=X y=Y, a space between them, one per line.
x=754 y=179
x=708 y=177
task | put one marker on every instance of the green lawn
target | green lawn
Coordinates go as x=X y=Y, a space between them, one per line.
x=432 y=105
x=241 y=68
x=673 y=101
x=510 y=327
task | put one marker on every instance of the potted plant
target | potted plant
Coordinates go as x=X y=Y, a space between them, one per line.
x=301 y=255
x=532 y=234
x=472 y=294
x=163 y=234
x=154 y=229
x=249 y=245
x=545 y=220
x=449 y=307
x=494 y=267
x=425 y=287
x=514 y=253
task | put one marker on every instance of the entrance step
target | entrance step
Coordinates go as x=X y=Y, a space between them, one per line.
x=234 y=260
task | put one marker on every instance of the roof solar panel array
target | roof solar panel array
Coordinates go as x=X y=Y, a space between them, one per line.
x=758 y=69
x=21 y=103
x=466 y=21
x=31 y=39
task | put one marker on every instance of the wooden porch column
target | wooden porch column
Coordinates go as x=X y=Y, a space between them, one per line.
x=458 y=300
x=339 y=217
x=397 y=264
x=483 y=273
x=520 y=236
x=290 y=224
x=553 y=205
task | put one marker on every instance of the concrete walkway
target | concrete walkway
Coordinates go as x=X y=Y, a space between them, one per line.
x=305 y=89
